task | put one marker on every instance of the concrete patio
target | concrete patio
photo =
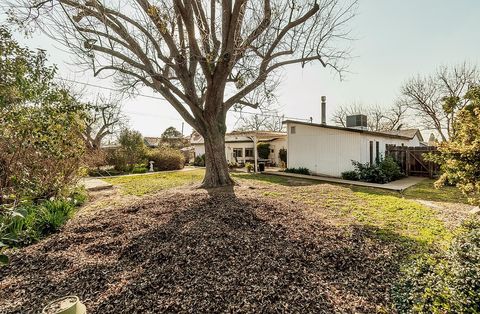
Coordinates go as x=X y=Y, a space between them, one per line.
x=398 y=185
x=94 y=184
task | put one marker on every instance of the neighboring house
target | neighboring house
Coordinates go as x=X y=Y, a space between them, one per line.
x=239 y=145
x=329 y=150
x=152 y=142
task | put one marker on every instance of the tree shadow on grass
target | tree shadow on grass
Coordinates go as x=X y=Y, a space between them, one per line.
x=214 y=253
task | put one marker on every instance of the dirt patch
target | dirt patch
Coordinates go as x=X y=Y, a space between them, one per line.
x=186 y=250
x=452 y=214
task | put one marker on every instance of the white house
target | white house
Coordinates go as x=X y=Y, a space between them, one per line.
x=329 y=150
x=239 y=145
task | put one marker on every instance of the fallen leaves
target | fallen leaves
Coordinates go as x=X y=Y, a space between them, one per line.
x=187 y=251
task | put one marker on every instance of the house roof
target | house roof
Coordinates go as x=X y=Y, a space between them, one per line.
x=152 y=141
x=406 y=134
x=242 y=136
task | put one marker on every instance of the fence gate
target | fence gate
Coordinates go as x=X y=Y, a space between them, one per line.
x=412 y=161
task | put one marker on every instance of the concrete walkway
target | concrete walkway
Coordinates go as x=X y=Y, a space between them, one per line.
x=398 y=185
x=94 y=184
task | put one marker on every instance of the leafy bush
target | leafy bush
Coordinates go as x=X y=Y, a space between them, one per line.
x=249 y=167
x=390 y=168
x=350 y=175
x=96 y=158
x=139 y=169
x=117 y=159
x=41 y=148
x=300 y=170
x=459 y=157
x=199 y=161
x=166 y=159
x=263 y=150
x=386 y=170
x=445 y=283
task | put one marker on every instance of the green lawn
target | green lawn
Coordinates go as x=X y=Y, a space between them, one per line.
x=426 y=191
x=151 y=183
x=390 y=214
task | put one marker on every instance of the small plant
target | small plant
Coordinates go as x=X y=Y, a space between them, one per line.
x=249 y=167
x=139 y=169
x=11 y=221
x=350 y=175
x=199 y=161
x=299 y=170
x=53 y=215
x=79 y=196
x=232 y=165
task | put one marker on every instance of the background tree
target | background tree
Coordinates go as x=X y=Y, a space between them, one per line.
x=132 y=145
x=268 y=121
x=104 y=118
x=436 y=99
x=378 y=118
x=173 y=138
x=460 y=156
x=203 y=57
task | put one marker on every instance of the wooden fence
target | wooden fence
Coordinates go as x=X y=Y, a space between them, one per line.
x=412 y=161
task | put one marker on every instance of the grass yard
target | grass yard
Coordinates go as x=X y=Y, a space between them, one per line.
x=272 y=244
x=394 y=217
x=426 y=191
x=145 y=184
x=388 y=211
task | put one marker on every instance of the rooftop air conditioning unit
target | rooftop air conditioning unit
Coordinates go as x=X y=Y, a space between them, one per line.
x=358 y=121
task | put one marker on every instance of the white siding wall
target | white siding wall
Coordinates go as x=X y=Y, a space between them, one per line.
x=330 y=152
x=199 y=149
x=276 y=146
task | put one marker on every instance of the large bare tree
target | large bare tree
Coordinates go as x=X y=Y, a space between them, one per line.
x=204 y=57
x=436 y=99
x=378 y=118
x=103 y=118
x=267 y=121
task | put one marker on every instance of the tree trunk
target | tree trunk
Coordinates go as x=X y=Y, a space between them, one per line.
x=216 y=174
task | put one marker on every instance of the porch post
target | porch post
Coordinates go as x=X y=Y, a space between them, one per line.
x=255 y=153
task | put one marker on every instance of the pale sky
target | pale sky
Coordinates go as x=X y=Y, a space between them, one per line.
x=396 y=39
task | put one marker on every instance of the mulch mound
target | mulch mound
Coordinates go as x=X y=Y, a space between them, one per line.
x=187 y=251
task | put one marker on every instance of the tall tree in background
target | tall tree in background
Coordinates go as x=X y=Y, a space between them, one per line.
x=203 y=57
x=460 y=156
x=436 y=99
x=269 y=121
x=174 y=138
x=103 y=118
x=378 y=118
